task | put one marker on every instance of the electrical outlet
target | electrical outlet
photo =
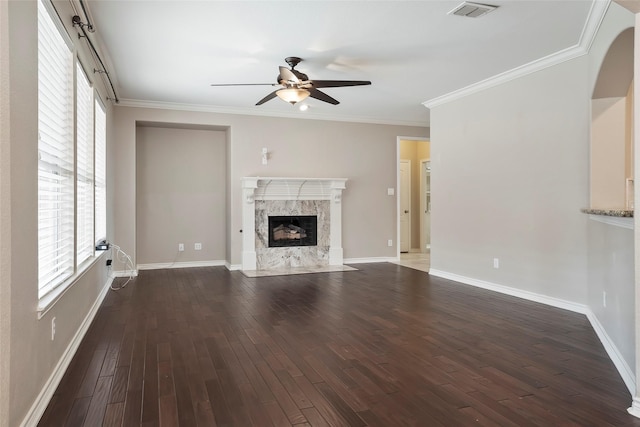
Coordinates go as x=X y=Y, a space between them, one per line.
x=496 y=263
x=180 y=247
x=389 y=242
x=197 y=246
x=53 y=328
x=604 y=299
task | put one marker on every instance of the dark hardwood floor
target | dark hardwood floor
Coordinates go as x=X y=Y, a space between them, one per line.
x=382 y=346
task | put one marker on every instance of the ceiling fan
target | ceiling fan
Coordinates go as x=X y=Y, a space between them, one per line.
x=296 y=86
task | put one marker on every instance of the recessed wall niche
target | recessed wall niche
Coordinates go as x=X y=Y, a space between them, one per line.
x=181 y=173
x=611 y=170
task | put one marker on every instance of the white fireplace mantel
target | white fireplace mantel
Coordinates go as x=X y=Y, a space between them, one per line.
x=279 y=188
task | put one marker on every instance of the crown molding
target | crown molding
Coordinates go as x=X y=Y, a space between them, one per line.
x=596 y=15
x=137 y=103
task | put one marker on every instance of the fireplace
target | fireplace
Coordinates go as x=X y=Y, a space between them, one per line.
x=298 y=230
x=312 y=245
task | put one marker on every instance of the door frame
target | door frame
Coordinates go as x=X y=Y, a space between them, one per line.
x=423 y=206
x=397 y=167
x=400 y=195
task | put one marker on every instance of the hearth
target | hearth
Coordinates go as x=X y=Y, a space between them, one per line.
x=298 y=230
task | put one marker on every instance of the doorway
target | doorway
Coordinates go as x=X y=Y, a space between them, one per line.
x=414 y=202
x=405 y=206
x=425 y=205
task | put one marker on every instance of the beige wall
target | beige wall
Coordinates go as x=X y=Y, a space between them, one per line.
x=180 y=194
x=608 y=146
x=628 y=141
x=363 y=153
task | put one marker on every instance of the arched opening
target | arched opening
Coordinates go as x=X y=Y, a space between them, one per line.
x=612 y=128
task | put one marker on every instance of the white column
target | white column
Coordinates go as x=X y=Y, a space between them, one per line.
x=335 y=233
x=249 y=186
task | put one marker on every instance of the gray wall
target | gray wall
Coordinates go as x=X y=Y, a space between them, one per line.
x=180 y=194
x=509 y=179
x=5 y=216
x=510 y=173
x=363 y=153
x=26 y=344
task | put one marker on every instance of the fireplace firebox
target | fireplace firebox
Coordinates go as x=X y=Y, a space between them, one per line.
x=299 y=230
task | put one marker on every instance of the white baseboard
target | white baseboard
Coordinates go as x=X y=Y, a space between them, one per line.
x=614 y=354
x=233 y=267
x=531 y=296
x=44 y=397
x=369 y=260
x=612 y=351
x=187 y=264
x=635 y=407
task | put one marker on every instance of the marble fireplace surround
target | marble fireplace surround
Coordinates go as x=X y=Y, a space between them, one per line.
x=263 y=196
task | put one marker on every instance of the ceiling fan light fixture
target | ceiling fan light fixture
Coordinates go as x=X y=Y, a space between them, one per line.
x=292 y=95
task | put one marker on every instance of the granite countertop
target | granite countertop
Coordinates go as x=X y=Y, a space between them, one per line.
x=621 y=213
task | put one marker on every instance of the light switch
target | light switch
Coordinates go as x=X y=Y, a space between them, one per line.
x=390 y=191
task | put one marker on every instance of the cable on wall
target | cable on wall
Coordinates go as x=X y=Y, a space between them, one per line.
x=125 y=259
x=84 y=27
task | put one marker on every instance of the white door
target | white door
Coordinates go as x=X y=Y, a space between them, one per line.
x=425 y=206
x=405 y=205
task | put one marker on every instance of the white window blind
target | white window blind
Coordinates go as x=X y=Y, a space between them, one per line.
x=55 y=155
x=84 y=167
x=101 y=170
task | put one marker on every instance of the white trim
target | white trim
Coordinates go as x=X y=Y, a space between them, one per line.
x=186 y=264
x=286 y=188
x=635 y=407
x=596 y=15
x=233 y=267
x=253 y=111
x=612 y=351
x=44 y=397
x=617 y=221
x=614 y=354
x=531 y=296
x=369 y=260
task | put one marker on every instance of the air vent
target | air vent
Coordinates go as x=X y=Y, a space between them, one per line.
x=472 y=10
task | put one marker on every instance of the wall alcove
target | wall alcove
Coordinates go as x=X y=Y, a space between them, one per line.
x=611 y=169
x=181 y=188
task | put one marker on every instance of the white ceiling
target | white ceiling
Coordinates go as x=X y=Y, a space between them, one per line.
x=169 y=52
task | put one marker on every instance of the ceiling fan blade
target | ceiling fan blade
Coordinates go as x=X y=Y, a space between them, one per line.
x=267 y=98
x=339 y=83
x=315 y=93
x=287 y=75
x=244 y=84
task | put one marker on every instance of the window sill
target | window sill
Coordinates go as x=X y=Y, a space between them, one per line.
x=48 y=301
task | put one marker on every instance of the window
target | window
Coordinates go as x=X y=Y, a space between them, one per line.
x=101 y=171
x=71 y=160
x=55 y=155
x=84 y=177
